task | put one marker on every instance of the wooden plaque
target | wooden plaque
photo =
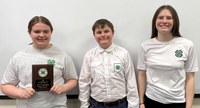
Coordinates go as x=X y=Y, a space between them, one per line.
x=42 y=77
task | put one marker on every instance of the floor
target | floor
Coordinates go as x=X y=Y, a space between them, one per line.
x=10 y=103
x=72 y=103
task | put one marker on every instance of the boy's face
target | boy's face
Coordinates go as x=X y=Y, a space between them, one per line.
x=103 y=36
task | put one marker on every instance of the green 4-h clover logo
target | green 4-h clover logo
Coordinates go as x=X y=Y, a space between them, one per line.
x=117 y=67
x=51 y=61
x=178 y=53
x=43 y=72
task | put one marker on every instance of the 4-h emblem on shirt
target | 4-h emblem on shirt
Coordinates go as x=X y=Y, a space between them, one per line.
x=117 y=67
x=178 y=53
x=51 y=61
x=43 y=72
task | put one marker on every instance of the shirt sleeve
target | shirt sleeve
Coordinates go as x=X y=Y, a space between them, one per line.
x=10 y=75
x=191 y=64
x=141 y=64
x=132 y=91
x=84 y=84
x=70 y=71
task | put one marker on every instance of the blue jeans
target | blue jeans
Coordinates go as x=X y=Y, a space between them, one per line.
x=118 y=104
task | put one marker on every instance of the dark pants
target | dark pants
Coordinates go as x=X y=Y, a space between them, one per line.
x=122 y=103
x=149 y=103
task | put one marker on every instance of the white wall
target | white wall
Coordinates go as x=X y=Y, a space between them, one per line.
x=72 y=21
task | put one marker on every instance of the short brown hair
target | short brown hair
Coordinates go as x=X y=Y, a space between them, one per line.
x=101 y=23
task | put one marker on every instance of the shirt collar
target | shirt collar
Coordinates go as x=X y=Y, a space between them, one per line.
x=108 y=50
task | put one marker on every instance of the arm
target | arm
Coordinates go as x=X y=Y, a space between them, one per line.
x=84 y=85
x=70 y=77
x=15 y=92
x=189 y=89
x=141 y=86
x=191 y=66
x=132 y=89
x=60 y=89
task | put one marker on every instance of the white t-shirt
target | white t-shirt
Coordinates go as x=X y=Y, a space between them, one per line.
x=19 y=73
x=166 y=64
x=108 y=75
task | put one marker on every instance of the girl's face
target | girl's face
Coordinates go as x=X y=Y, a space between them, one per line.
x=104 y=36
x=164 y=22
x=40 y=35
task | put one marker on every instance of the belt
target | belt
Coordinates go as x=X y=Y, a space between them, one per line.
x=110 y=103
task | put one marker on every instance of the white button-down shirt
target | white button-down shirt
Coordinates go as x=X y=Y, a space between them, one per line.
x=108 y=75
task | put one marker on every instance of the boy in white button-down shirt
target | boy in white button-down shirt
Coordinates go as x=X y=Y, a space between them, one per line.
x=107 y=78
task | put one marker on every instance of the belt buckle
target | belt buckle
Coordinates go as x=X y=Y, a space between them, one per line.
x=110 y=103
x=114 y=102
